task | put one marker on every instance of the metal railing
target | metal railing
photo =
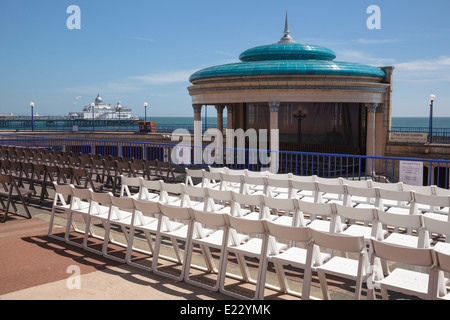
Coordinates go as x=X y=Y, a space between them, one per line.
x=353 y=167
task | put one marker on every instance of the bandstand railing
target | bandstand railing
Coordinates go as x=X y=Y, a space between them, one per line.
x=354 y=167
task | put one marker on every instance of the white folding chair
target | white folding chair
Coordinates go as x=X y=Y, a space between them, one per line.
x=360 y=222
x=433 y=206
x=256 y=247
x=212 y=179
x=333 y=192
x=232 y=182
x=283 y=211
x=127 y=183
x=305 y=189
x=306 y=257
x=404 y=201
x=183 y=233
x=255 y=184
x=362 y=196
x=399 y=226
x=387 y=202
x=194 y=197
x=196 y=174
x=81 y=205
x=327 y=212
x=280 y=186
x=436 y=227
x=99 y=212
x=247 y=206
x=172 y=193
x=349 y=268
x=220 y=201
x=120 y=215
x=62 y=205
x=410 y=282
x=150 y=190
x=145 y=220
x=218 y=239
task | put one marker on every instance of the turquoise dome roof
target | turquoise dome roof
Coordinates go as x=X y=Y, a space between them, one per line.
x=288 y=59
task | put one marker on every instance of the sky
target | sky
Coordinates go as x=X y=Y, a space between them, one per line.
x=139 y=51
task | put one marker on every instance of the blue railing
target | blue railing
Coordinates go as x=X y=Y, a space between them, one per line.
x=354 y=167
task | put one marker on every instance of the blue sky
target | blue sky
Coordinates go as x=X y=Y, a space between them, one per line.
x=141 y=50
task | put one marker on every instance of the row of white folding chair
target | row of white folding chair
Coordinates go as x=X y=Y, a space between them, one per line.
x=210 y=197
x=250 y=248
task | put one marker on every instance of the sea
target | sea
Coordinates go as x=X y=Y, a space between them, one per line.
x=397 y=122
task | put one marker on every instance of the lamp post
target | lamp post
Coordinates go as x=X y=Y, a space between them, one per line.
x=93 y=116
x=119 y=107
x=145 y=116
x=32 y=115
x=432 y=98
x=300 y=116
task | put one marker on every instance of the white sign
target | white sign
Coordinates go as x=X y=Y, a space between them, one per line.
x=411 y=137
x=411 y=172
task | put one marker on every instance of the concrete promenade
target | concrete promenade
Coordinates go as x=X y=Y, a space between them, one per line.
x=36 y=267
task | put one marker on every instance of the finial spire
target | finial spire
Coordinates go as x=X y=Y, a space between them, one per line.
x=286 y=38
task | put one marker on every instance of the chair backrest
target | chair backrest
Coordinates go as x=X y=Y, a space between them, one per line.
x=62 y=189
x=427 y=190
x=361 y=191
x=122 y=203
x=102 y=198
x=280 y=204
x=84 y=194
x=229 y=179
x=329 y=180
x=210 y=219
x=358 y=183
x=247 y=225
x=191 y=173
x=248 y=199
x=313 y=208
x=387 y=186
x=211 y=177
x=147 y=207
x=437 y=226
x=220 y=195
x=255 y=174
x=404 y=196
x=235 y=172
x=441 y=191
x=432 y=200
x=338 y=242
x=254 y=180
x=219 y=170
x=175 y=212
x=297 y=234
x=399 y=220
x=442 y=260
x=358 y=214
x=407 y=255
x=130 y=181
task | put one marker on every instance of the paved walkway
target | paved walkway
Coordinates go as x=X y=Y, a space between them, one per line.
x=34 y=266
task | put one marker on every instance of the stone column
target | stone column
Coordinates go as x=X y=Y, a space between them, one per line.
x=220 y=117
x=274 y=106
x=371 y=135
x=274 y=136
x=198 y=135
x=230 y=110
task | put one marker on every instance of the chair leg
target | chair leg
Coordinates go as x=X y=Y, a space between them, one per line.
x=324 y=285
